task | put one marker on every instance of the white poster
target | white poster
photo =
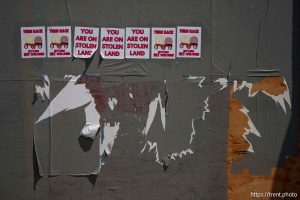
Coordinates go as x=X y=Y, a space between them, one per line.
x=163 y=43
x=86 y=41
x=112 y=43
x=137 y=43
x=59 y=43
x=188 y=42
x=33 y=42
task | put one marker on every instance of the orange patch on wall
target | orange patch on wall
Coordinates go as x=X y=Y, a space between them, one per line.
x=272 y=85
x=238 y=121
x=240 y=186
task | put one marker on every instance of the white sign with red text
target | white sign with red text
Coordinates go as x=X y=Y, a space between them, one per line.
x=163 y=43
x=188 y=42
x=33 y=42
x=112 y=43
x=59 y=43
x=86 y=41
x=137 y=43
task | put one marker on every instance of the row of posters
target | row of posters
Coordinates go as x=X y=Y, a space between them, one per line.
x=115 y=43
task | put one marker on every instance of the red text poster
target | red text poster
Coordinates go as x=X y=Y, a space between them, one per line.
x=59 y=43
x=163 y=43
x=112 y=43
x=188 y=42
x=33 y=42
x=137 y=43
x=86 y=41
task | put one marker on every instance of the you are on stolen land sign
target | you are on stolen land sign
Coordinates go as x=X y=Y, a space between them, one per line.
x=112 y=43
x=33 y=42
x=59 y=43
x=85 y=42
x=137 y=43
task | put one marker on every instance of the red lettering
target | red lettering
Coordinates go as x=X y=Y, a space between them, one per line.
x=112 y=32
x=112 y=53
x=86 y=31
x=37 y=30
x=137 y=31
x=168 y=32
x=158 y=32
x=53 y=30
x=144 y=39
x=107 y=39
x=27 y=31
x=137 y=53
x=84 y=52
x=81 y=38
x=118 y=39
x=132 y=38
x=92 y=38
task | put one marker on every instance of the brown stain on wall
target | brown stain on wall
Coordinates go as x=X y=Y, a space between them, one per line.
x=272 y=85
x=237 y=145
x=283 y=179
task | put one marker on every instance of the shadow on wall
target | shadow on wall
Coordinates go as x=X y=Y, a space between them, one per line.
x=287 y=174
x=36 y=173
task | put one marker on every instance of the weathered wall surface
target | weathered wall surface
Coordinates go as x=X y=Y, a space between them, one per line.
x=248 y=40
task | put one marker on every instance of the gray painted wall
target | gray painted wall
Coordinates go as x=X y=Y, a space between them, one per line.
x=240 y=37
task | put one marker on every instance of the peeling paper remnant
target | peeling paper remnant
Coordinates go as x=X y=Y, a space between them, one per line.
x=68 y=76
x=274 y=87
x=130 y=95
x=189 y=150
x=44 y=90
x=72 y=96
x=152 y=112
x=182 y=153
x=251 y=129
x=280 y=177
x=223 y=82
x=112 y=102
x=200 y=78
x=92 y=125
x=109 y=135
x=75 y=95
x=151 y=115
x=206 y=110
x=152 y=145
x=90 y=130
x=193 y=132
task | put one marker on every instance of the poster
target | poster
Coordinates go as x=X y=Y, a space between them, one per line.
x=137 y=43
x=112 y=43
x=188 y=42
x=85 y=42
x=59 y=43
x=163 y=43
x=33 y=42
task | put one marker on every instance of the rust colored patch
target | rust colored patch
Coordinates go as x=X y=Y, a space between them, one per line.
x=238 y=185
x=238 y=121
x=283 y=179
x=241 y=186
x=272 y=85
